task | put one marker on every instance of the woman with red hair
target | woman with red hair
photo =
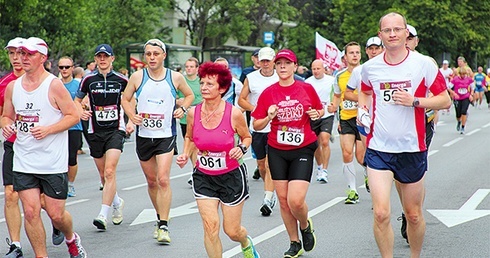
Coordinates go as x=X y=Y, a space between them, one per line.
x=219 y=132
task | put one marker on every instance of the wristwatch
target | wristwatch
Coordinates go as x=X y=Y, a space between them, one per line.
x=184 y=109
x=415 y=102
x=243 y=148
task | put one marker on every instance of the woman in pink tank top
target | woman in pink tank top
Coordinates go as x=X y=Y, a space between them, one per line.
x=218 y=133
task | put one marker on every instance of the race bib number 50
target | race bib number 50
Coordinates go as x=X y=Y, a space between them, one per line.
x=388 y=88
x=106 y=113
x=212 y=160
x=290 y=136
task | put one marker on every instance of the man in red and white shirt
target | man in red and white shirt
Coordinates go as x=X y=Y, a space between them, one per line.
x=396 y=85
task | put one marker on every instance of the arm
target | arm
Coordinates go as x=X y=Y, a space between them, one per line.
x=182 y=86
x=189 y=146
x=128 y=101
x=349 y=94
x=8 y=113
x=59 y=98
x=260 y=124
x=240 y=126
x=243 y=98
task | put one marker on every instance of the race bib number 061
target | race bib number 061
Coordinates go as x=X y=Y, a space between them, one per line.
x=212 y=160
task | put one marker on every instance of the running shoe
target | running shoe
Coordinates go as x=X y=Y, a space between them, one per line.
x=308 y=236
x=256 y=175
x=57 y=237
x=163 y=236
x=295 y=250
x=458 y=126
x=352 y=197
x=100 y=222
x=155 y=231
x=117 y=215
x=266 y=208
x=249 y=251
x=71 y=191
x=75 y=248
x=101 y=186
x=462 y=131
x=322 y=176
x=366 y=184
x=403 y=229
x=14 y=251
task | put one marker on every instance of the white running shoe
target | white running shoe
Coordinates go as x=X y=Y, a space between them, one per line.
x=117 y=215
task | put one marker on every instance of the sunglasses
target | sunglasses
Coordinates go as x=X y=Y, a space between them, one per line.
x=66 y=67
x=155 y=44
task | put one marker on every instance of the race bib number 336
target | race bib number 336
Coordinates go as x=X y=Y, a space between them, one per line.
x=152 y=121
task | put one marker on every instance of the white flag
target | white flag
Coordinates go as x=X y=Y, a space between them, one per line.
x=327 y=51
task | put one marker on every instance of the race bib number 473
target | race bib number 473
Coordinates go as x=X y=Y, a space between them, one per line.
x=106 y=113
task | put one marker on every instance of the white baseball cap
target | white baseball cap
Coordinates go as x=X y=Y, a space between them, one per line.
x=445 y=62
x=33 y=45
x=267 y=53
x=412 y=30
x=15 y=42
x=374 y=41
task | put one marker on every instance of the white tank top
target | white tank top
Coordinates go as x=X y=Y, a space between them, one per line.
x=156 y=104
x=257 y=83
x=50 y=154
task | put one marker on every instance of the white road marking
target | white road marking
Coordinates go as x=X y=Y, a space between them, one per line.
x=453 y=142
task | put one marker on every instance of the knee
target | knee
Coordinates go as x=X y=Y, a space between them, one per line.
x=381 y=216
x=164 y=182
x=414 y=217
x=261 y=164
x=152 y=182
x=347 y=155
x=109 y=174
x=11 y=198
x=295 y=203
x=211 y=228
x=233 y=233
x=31 y=213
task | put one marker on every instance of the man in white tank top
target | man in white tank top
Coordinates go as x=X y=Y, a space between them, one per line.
x=39 y=109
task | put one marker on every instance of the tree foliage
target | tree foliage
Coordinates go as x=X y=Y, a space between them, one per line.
x=74 y=28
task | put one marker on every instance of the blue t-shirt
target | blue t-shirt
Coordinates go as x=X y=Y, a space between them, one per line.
x=479 y=80
x=72 y=87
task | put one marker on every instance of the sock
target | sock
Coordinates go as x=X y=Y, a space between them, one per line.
x=116 y=201
x=462 y=127
x=350 y=175
x=104 y=210
x=71 y=183
x=70 y=240
x=320 y=167
x=17 y=243
x=162 y=223
x=268 y=195
x=158 y=217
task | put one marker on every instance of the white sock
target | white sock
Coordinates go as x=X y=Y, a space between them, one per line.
x=71 y=183
x=104 y=210
x=268 y=195
x=116 y=201
x=17 y=244
x=350 y=175
x=319 y=167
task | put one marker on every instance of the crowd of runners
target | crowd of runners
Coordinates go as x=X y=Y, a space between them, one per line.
x=285 y=121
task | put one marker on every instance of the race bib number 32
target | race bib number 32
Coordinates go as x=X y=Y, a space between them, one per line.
x=290 y=136
x=106 y=113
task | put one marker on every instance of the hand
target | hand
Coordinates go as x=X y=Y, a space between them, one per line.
x=137 y=119
x=129 y=128
x=86 y=114
x=331 y=108
x=8 y=131
x=235 y=153
x=39 y=132
x=179 y=113
x=272 y=112
x=401 y=97
x=313 y=113
x=181 y=160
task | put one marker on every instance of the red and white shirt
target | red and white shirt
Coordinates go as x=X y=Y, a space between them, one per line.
x=398 y=128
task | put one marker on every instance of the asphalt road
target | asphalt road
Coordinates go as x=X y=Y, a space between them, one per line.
x=456 y=208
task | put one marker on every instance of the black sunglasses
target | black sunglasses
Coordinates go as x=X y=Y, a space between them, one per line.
x=64 y=67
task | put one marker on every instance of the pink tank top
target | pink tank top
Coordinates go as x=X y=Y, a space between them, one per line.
x=214 y=144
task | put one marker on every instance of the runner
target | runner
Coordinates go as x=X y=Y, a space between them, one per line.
x=42 y=111
x=322 y=127
x=255 y=83
x=106 y=129
x=480 y=85
x=289 y=105
x=220 y=176
x=462 y=93
x=398 y=150
x=155 y=88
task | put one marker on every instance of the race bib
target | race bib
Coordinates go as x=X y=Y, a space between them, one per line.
x=106 y=113
x=152 y=121
x=25 y=123
x=462 y=91
x=212 y=160
x=290 y=136
x=388 y=88
x=478 y=83
x=348 y=105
